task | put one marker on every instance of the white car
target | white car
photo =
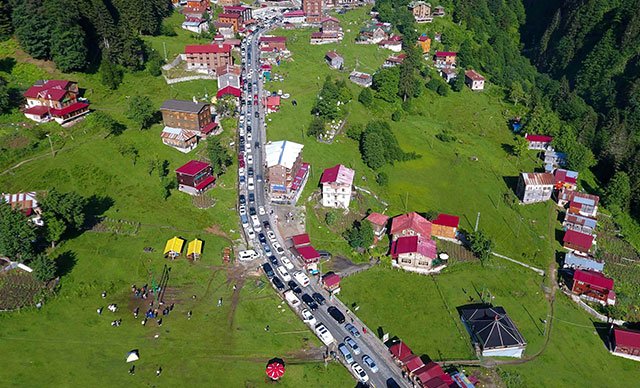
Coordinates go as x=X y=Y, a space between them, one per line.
x=278 y=248
x=241 y=171
x=286 y=262
x=285 y=275
x=251 y=235
x=324 y=334
x=301 y=278
x=360 y=373
x=261 y=210
x=250 y=185
x=247 y=255
x=308 y=318
x=249 y=136
x=271 y=236
x=249 y=158
x=242 y=209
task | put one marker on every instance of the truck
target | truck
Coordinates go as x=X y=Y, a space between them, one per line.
x=291 y=298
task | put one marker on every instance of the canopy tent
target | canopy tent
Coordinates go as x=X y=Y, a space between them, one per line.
x=173 y=247
x=133 y=355
x=194 y=249
x=275 y=368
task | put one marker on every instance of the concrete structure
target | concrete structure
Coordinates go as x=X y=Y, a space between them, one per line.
x=363 y=79
x=414 y=253
x=421 y=11
x=206 y=58
x=473 y=80
x=54 y=100
x=337 y=184
x=445 y=59
x=535 y=187
x=538 y=142
x=493 y=331
x=379 y=223
x=312 y=10
x=286 y=173
x=579 y=223
x=195 y=177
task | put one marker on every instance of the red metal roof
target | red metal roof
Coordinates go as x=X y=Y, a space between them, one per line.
x=273 y=101
x=76 y=106
x=331 y=279
x=192 y=167
x=296 y=13
x=565 y=176
x=38 y=110
x=473 y=75
x=414 y=244
x=206 y=182
x=300 y=240
x=627 y=338
x=209 y=127
x=229 y=91
x=412 y=221
x=400 y=351
x=539 y=138
x=414 y=363
x=377 y=219
x=50 y=90
x=207 y=48
x=593 y=278
x=308 y=253
x=447 y=220
x=229 y=16
x=273 y=39
x=582 y=240
x=431 y=371
x=423 y=38
x=446 y=54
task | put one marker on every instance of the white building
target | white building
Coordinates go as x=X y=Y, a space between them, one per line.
x=26 y=203
x=535 y=187
x=474 y=80
x=337 y=184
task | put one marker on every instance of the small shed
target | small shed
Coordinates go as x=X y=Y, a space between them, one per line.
x=331 y=283
x=308 y=254
x=173 y=247
x=334 y=59
x=445 y=225
x=194 y=249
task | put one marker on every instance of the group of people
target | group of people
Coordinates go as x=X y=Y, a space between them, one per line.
x=142 y=292
x=132 y=370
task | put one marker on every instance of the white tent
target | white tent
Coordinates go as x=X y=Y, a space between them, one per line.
x=133 y=355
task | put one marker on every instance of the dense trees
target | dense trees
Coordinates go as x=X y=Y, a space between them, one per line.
x=331 y=96
x=218 y=154
x=62 y=213
x=17 y=233
x=360 y=235
x=480 y=244
x=379 y=146
x=6 y=28
x=141 y=111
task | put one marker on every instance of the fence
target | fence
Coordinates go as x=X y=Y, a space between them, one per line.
x=590 y=309
x=171 y=81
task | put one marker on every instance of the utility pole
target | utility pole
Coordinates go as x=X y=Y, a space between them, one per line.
x=164 y=46
x=477 y=222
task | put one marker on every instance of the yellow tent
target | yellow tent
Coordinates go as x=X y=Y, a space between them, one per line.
x=173 y=247
x=194 y=249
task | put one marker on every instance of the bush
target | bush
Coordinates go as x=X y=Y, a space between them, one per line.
x=330 y=218
x=44 y=269
x=443 y=89
x=446 y=136
x=382 y=178
x=366 y=97
x=354 y=131
x=397 y=115
x=167 y=30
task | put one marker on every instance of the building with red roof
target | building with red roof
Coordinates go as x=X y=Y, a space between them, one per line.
x=308 y=254
x=271 y=43
x=413 y=364
x=229 y=91
x=410 y=224
x=400 y=352
x=337 y=184
x=54 y=100
x=578 y=241
x=414 y=254
x=330 y=24
x=272 y=104
x=431 y=375
x=445 y=225
x=566 y=179
x=445 y=59
x=593 y=286
x=207 y=58
x=626 y=343
x=474 y=80
x=579 y=203
x=538 y=142
x=195 y=177
x=244 y=12
x=300 y=240
x=196 y=7
x=294 y=17
x=379 y=223
x=331 y=283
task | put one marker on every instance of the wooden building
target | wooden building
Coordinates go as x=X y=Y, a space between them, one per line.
x=208 y=57
x=188 y=115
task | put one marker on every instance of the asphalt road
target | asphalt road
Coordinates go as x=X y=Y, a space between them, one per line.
x=368 y=343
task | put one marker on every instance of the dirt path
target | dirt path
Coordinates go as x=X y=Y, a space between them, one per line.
x=235 y=299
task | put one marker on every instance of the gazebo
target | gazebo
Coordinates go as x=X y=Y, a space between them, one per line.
x=173 y=248
x=194 y=249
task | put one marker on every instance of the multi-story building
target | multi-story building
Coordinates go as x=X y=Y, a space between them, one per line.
x=188 y=115
x=410 y=224
x=337 y=184
x=286 y=172
x=473 y=80
x=208 y=57
x=535 y=187
x=54 y=100
x=195 y=177
x=414 y=253
x=312 y=10
x=235 y=19
x=421 y=11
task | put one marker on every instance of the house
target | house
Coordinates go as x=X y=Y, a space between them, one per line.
x=244 y=12
x=438 y=11
x=194 y=249
x=473 y=80
x=593 y=286
x=181 y=139
x=312 y=10
x=308 y=254
x=334 y=59
x=196 y=7
x=235 y=19
x=228 y=3
x=228 y=75
x=300 y=240
x=273 y=104
x=229 y=91
x=363 y=79
x=449 y=73
x=538 y=142
x=331 y=283
x=577 y=261
x=188 y=115
x=394 y=45
x=27 y=203
x=330 y=24
x=294 y=17
x=431 y=375
x=379 y=223
x=445 y=59
x=579 y=223
x=374 y=33
x=324 y=38
x=225 y=31
x=54 y=100
x=493 y=331
x=394 y=60
x=535 y=187
x=577 y=241
x=565 y=179
x=337 y=184
x=410 y=224
x=553 y=159
x=286 y=173
x=195 y=24
x=583 y=204
x=400 y=352
x=425 y=44
x=413 y=364
x=414 y=254
x=207 y=58
x=421 y=11
x=625 y=343
x=273 y=43
x=195 y=177
x=445 y=225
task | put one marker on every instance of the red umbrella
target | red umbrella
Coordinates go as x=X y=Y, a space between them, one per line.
x=275 y=370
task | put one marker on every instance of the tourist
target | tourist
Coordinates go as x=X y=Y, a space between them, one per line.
x=189 y=314
x=158 y=371
x=144 y=322
x=160 y=322
x=132 y=370
x=104 y=294
x=100 y=311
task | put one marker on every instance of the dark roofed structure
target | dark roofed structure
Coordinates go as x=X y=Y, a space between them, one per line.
x=183 y=106
x=492 y=329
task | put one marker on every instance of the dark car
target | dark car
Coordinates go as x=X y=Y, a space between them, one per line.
x=250 y=171
x=266 y=224
x=278 y=283
x=257 y=115
x=252 y=211
x=391 y=383
x=242 y=199
x=294 y=287
x=323 y=254
x=309 y=302
x=256 y=144
x=319 y=298
x=252 y=197
x=336 y=314
x=273 y=260
x=248 y=128
x=262 y=238
x=266 y=267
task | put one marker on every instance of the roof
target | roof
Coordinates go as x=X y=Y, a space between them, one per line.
x=389 y=42
x=209 y=127
x=577 y=219
x=296 y=13
x=332 y=55
x=207 y=48
x=582 y=262
x=183 y=106
x=229 y=15
x=414 y=363
x=429 y=372
x=229 y=91
x=329 y=19
x=414 y=244
x=473 y=75
x=235 y=8
x=176 y=134
x=377 y=219
x=194 y=246
x=76 y=106
x=538 y=138
x=566 y=176
x=492 y=327
x=626 y=337
x=413 y=221
x=447 y=220
x=331 y=279
x=273 y=101
x=593 y=278
x=173 y=245
x=300 y=240
x=192 y=167
x=283 y=153
x=538 y=178
x=50 y=90
x=423 y=38
x=308 y=253
x=20 y=198
x=338 y=174
x=205 y=182
x=38 y=110
x=299 y=178
x=446 y=54
x=584 y=199
x=582 y=240
x=272 y=39
x=401 y=351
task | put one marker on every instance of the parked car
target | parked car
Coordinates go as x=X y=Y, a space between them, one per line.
x=262 y=238
x=247 y=255
x=294 y=287
x=261 y=210
x=342 y=348
x=278 y=283
x=278 y=248
x=242 y=209
x=336 y=314
x=325 y=254
x=252 y=211
x=271 y=236
x=286 y=262
x=352 y=344
x=273 y=260
x=320 y=299
x=251 y=234
x=252 y=197
x=268 y=270
x=360 y=373
x=307 y=317
x=308 y=300
x=266 y=224
x=352 y=329
x=368 y=361
x=301 y=278
x=242 y=199
x=285 y=275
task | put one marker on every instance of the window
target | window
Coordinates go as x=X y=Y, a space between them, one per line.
x=406 y=261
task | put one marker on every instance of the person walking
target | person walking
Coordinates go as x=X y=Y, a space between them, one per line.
x=158 y=371
x=132 y=370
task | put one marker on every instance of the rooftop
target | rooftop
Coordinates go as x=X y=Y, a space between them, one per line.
x=582 y=262
x=492 y=327
x=207 y=48
x=538 y=138
x=338 y=174
x=283 y=153
x=538 y=178
x=378 y=219
x=183 y=106
x=413 y=221
x=593 y=278
x=414 y=244
x=626 y=337
x=473 y=75
x=300 y=240
x=50 y=90
x=582 y=240
x=566 y=176
x=192 y=167
x=445 y=54
x=447 y=220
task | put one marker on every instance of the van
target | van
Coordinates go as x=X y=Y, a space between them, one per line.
x=301 y=278
x=247 y=255
x=283 y=272
x=324 y=334
x=346 y=353
x=256 y=221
